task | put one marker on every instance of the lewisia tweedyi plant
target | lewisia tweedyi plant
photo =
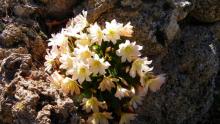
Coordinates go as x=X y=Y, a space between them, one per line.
x=108 y=75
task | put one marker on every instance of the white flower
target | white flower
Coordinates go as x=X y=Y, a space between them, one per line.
x=121 y=92
x=127 y=30
x=71 y=31
x=50 y=58
x=107 y=84
x=96 y=34
x=81 y=72
x=92 y=104
x=112 y=31
x=140 y=66
x=128 y=51
x=100 y=118
x=77 y=24
x=70 y=86
x=126 y=118
x=64 y=48
x=83 y=52
x=98 y=65
x=57 y=39
x=83 y=40
x=155 y=83
x=55 y=51
x=81 y=21
x=67 y=62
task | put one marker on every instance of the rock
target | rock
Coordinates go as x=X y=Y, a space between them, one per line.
x=24 y=10
x=21 y=35
x=207 y=10
x=32 y=100
x=131 y=3
x=58 y=8
x=156 y=27
x=14 y=63
x=43 y=116
x=97 y=7
x=185 y=52
x=191 y=66
x=11 y=35
x=183 y=8
x=216 y=30
x=5 y=52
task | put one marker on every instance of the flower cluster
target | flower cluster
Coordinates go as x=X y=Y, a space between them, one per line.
x=105 y=72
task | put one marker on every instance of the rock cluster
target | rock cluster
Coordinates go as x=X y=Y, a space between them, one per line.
x=180 y=36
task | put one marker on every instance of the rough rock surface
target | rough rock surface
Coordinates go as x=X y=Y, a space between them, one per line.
x=172 y=32
x=207 y=10
x=191 y=64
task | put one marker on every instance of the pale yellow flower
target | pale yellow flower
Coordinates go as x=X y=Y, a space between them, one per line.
x=107 y=84
x=127 y=117
x=67 y=62
x=112 y=31
x=83 y=53
x=153 y=84
x=100 y=118
x=96 y=34
x=121 y=92
x=129 y=51
x=81 y=72
x=156 y=83
x=98 y=65
x=127 y=30
x=56 y=79
x=69 y=86
x=83 y=40
x=140 y=66
x=92 y=104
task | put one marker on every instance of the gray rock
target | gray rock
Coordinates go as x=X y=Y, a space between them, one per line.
x=191 y=65
x=207 y=10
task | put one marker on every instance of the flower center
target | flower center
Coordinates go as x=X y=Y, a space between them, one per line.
x=111 y=33
x=128 y=49
x=96 y=63
x=82 y=71
x=99 y=34
x=86 y=54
